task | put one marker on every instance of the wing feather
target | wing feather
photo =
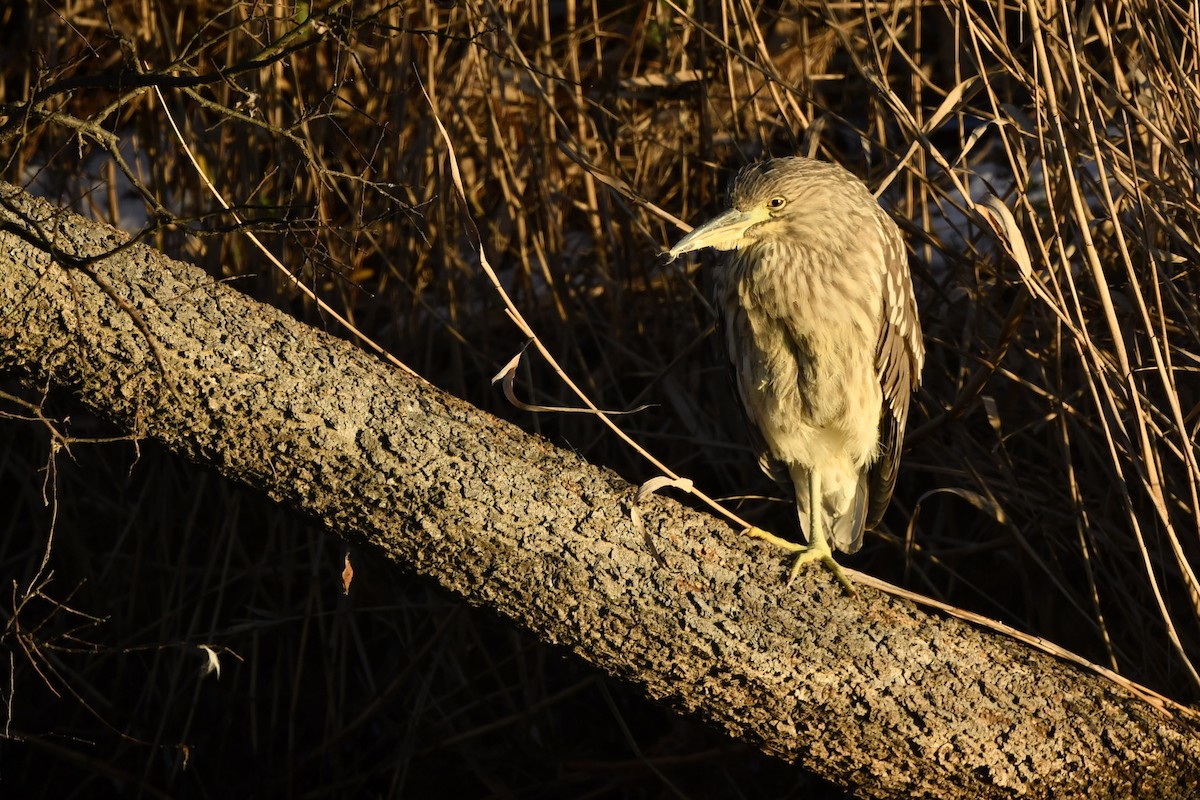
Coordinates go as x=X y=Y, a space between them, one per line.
x=899 y=356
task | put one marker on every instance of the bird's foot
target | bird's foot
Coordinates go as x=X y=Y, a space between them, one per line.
x=806 y=554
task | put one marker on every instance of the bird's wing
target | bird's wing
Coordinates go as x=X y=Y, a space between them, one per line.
x=899 y=356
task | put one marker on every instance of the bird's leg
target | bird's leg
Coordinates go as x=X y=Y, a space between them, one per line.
x=817 y=548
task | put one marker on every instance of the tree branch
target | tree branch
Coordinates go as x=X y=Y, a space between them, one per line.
x=867 y=691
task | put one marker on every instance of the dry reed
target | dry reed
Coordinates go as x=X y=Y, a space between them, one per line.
x=1052 y=479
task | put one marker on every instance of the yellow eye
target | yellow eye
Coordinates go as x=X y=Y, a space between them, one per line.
x=776 y=203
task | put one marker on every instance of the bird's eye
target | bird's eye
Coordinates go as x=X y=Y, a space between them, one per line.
x=776 y=203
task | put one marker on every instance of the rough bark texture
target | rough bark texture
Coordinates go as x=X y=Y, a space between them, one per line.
x=866 y=691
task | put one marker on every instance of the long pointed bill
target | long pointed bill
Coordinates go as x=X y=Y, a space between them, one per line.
x=724 y=232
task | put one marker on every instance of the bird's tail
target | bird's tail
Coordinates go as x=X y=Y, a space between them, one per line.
x=849 y=527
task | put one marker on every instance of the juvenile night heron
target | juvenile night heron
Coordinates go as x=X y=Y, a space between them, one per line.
x=822 y=330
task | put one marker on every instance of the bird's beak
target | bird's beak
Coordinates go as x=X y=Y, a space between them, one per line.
x=724 y=232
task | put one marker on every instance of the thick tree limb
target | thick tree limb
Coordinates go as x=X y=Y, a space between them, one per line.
x=866 y=691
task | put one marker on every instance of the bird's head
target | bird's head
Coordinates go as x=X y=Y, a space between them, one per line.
x=795 y=200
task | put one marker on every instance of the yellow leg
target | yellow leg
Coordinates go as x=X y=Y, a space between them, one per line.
x=817 y=548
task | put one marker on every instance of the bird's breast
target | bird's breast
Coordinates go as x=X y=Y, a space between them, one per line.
x=802 y=342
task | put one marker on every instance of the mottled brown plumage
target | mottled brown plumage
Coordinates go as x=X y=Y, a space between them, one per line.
x=822 y=330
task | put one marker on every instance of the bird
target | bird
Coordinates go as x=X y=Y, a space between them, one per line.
x=820 y=324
